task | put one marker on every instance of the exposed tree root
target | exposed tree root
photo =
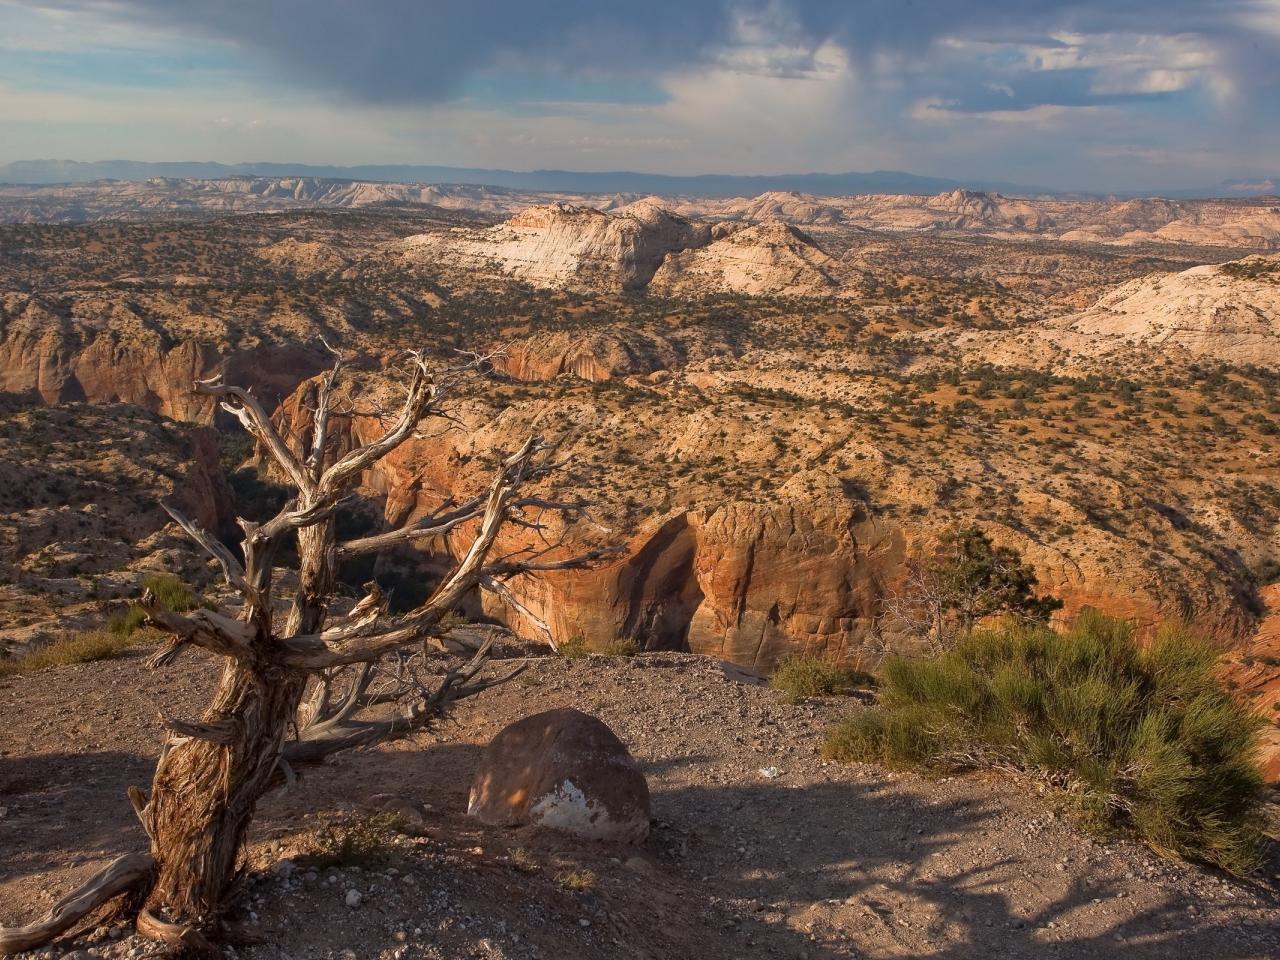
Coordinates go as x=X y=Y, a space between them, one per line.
x=182 y=938
x=117 y=878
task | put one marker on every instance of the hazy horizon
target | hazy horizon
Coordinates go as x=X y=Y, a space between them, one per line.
x=50 y=172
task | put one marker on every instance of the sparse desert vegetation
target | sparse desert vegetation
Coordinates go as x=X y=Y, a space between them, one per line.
x=1147 y=737
x=839 y=483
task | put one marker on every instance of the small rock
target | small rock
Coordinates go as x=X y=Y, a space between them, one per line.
x=770 y=773
x=353 y=898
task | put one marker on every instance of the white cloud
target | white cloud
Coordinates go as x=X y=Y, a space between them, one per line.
x=1264 y=15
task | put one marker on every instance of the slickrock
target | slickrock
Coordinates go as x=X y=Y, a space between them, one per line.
x=1229 y=313
x=768 y=258
x=562 y=245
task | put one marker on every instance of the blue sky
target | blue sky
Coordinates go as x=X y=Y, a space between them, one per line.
x=1126 y=94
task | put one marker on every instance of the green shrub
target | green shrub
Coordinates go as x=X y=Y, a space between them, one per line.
x=126 y=622
x=799 y=677
x=1143 y=737
x=574 y=648
x=171 y=592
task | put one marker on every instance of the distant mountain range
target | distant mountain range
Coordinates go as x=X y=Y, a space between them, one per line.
x=622 y=181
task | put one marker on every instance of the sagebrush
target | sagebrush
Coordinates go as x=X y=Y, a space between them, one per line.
x=1143 y=736
x=125 y=629
x=800 y=677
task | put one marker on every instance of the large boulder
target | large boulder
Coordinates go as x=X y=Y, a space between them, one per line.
x=562 y=769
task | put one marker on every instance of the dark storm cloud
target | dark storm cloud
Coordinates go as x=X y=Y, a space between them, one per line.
x=406 y=51
x=510 y=51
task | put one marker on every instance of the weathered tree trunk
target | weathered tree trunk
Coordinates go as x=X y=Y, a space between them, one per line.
x=205 y=791
x=212 y=772
x=317 y=577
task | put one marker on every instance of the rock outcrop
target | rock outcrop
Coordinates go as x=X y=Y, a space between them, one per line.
x=600 y=355
x=807 y=567
x=770 y=258
x=122 y=355
x=566 y=770
x=1228 y=313
x=564 y=246
x=788 y=207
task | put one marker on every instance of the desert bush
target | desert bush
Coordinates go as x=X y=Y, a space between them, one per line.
x=800 y=676
x=522 y=861
x=620 y=648
x=168 y=589
x=574 y=648
x=1143 y=737
x=358 y=842
x=576 y=880
x=83 y=647
x=966 y=580
x=171 y=592
x=125 y=623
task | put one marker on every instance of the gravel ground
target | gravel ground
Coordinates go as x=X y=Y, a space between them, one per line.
x=759 y=847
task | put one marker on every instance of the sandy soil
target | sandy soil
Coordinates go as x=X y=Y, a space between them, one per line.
x=808 y=860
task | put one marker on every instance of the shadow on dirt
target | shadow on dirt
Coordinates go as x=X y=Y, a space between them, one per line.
x=874 y=867
x=60 y=802
x=783 y=890
x=828 y=870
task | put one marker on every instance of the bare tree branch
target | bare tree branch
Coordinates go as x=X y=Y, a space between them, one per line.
x=371 y=685
x=203 y=628
x=498 y=588
x=509 y=569
x=421 y=394
x=434 y=525
x=232 y=571
x=340 y=732
x=320 y=423
x=256 y=420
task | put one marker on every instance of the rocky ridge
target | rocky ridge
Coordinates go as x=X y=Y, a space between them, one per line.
x=771 y=258
x=562 y=245
x=1220 y=313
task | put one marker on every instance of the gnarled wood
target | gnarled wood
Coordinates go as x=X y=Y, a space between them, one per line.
x=121 y=875
x=212 y=771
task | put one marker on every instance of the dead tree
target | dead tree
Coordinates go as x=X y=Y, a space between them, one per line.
x=258 y=725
